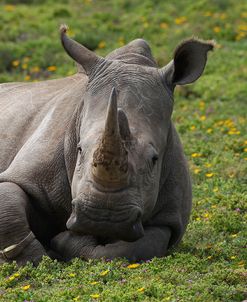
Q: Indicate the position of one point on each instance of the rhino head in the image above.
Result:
(124, 134)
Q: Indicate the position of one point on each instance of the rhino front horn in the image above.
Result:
(110, 159)
(85, 57)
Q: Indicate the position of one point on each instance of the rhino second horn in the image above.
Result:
(110, 159)
(85, 57)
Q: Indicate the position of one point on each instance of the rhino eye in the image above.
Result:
(154, 159)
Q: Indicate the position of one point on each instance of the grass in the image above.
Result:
(210, 115)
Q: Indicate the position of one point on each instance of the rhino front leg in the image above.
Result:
(17, 242)
(153, 244)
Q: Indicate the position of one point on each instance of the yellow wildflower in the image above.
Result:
(163, 25)
(202, 118)
(198, 218)
(216, 29)
(26, 287)
(233, 257)
(245, 149)
(244, 15)
(196, 155)
(76, 298)
(94, 282)
(209, 130)
(208, 165)
(141, 289)
(104, 273)
(121, 41)
(245, 142)
(216, 189)
(180, 20)
(95, 296)
(72, 275)
(101, 45)
(11, 278)
(16, 63)
(9, 8)
(242, 27)
(24, 66)
(209, 257)
(27, 78)
(214, 206)
(52, 68)
(17, 275)
(208, 14)
(234, 235)
(240, 36)
(241, 263)
(223, 16)
(192, 127)
(209, 175)
(206, 215)
(233, 131)
(134, 265)
(197, 170)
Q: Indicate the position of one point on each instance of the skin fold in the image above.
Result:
(91, 165)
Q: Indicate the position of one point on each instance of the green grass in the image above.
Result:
(209, 265)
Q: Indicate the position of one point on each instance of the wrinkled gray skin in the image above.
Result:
(49, 132)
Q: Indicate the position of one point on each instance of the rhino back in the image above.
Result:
(35, 114)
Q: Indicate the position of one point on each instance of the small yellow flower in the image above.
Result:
(223, 16)
(94, 282)
(26, 287)
(180, 20)
(104, 273)
(197, 171)
(209, 175)
(198, 218)
(206, 215)
(27, 78)
(241, 263)
(134, 265)
(209, 130)
(208, 165)
(163, 25)
(11, 278)
(233, 257)
(16, 63)
(245, 142)
(208, 14)
(9, 8)
(242, 27)
(202, 104)
(234, 235)
(216, 189)
(196, 155)
(216, 29)
(24, 66)
(243, 15)
(192, 128)
(214, 206)
(101, 45)
(209, 257)
(52, 68)
(72, 275)
(202, 118)
(76, 298)
(95, 296)
(141, 290)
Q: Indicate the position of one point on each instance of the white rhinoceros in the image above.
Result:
(91, 165)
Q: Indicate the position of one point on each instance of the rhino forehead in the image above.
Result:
(140, 90)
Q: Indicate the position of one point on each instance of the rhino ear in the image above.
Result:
(190, 58)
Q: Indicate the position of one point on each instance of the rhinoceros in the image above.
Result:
(91, 165)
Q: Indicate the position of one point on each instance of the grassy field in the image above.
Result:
(209, 265)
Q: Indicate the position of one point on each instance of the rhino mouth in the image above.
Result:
(124, 224)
